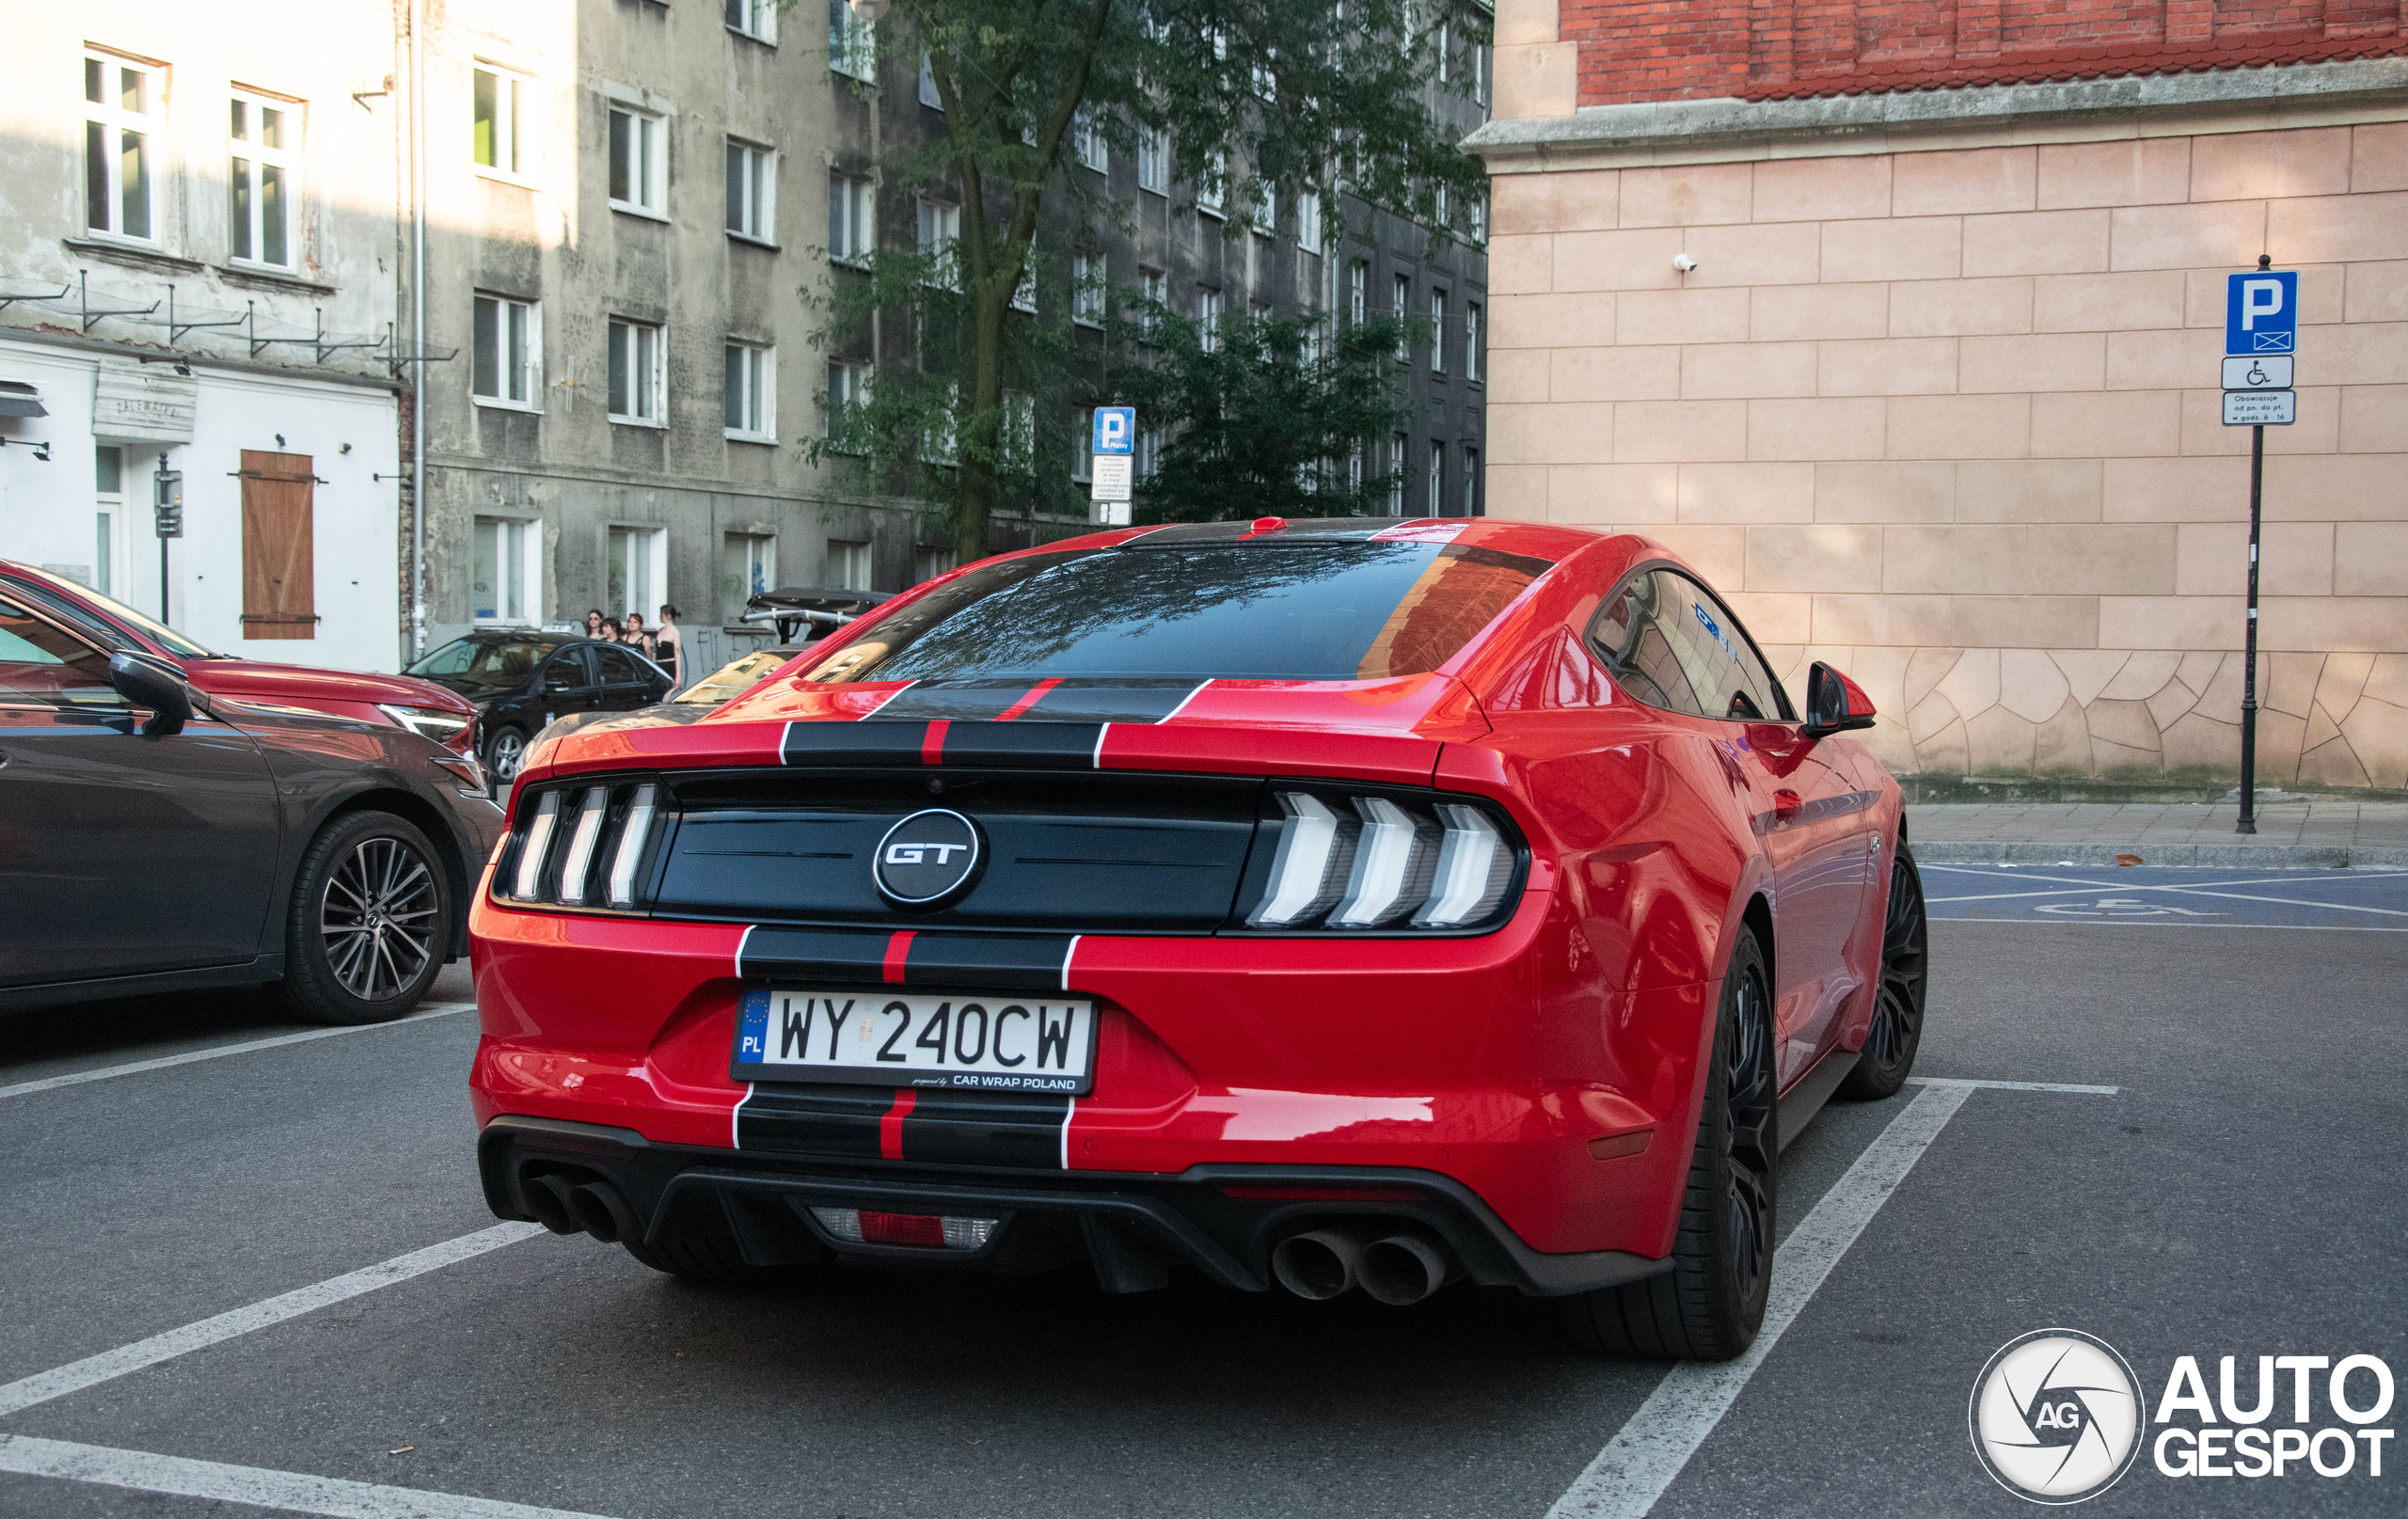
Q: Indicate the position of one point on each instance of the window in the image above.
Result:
(108, 490)
(498, 95)
(637, 168)
(939, 233)
(929, 560)
(1477, 213)
(1024, 292)
(852, 218)
(637, 572)
(847, 392)
(509, 353)
(1019, 429)
(1438, 332)
(636, 359)
(1403, 305)
(852, 42)
(752, 191)
(1086, 290)
(752, 392)
(1438, 208)
(1088, 140)
(1083, 444)
(1155, 286)
(1471, 341)
(1477, 62)
(752, 566)
(1398, 447)
(940, 441)
(1154, 160)
(1355, 470)
(1207, 320)
(755, 19)
(1212, 191)
(120, 113)
(928, 96)
(1149, 456)
(42, 666)
(259, 180)
(1264, 218)
(1677, 648)
(1471, 482)
(1435, 504)
(1358, 277)
(1308, 221)
(847, 564)
(505, 588)
(1445, 49)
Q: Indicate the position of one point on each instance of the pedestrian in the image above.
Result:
(635, 636)
(669, 647)
(598, 626)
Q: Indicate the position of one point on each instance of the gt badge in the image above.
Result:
(928, 858)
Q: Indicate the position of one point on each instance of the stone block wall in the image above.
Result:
(1950, 418)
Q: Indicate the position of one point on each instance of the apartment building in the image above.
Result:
(199, 273)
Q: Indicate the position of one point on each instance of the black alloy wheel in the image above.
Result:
(1711, 1304)
(504, 753)
(1889, 1045)
(370, 923)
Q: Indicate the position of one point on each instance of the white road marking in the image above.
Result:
(109, 1365)
(291, 1492)
(1648, 1452)
(2159, 922)
(52, 1084)
(2206, 888)
(2013, 1086)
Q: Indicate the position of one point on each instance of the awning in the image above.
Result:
(18, 398)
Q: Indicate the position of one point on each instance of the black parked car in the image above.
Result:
(521, 680)
(154, 837)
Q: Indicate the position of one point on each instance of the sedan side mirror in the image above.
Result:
(144, 683)
(1834, 704)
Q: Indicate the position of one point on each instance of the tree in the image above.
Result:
(1254, 96)
(1263, 421)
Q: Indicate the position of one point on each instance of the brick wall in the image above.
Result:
(1656, 50)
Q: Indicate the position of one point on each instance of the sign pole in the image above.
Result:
(2248, 823)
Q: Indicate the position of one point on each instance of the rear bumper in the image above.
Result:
(1220, 1220)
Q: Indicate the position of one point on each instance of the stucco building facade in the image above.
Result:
(1937, 401)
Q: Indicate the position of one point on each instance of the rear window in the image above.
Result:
(1352, 611)
(486, 663)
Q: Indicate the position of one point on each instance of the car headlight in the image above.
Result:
(1354, 863)
(439, 723)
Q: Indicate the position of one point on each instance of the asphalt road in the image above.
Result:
(2236, 1194)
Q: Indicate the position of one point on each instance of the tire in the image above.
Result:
(505, 752)
(1890, 1044)
(716, 1260)
(370, 923)
(1710, 1305)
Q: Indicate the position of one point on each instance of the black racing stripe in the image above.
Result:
(1052, 745)
(955, 701)
(872, 741)
(816, 954)
(984, 962)
(1110, 701)
(814, 1119)
(985, 1129)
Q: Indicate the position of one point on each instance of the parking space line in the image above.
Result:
(2203, 888)
(1648, 1452)
(109, 1365)
(1980, 1085)
(52, 1084)
(2159, 922)
(293, 1492)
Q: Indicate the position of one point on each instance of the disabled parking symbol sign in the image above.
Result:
(2261, 311)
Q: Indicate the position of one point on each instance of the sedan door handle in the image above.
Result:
(1785, 805)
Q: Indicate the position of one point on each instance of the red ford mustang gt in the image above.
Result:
(1322, 904)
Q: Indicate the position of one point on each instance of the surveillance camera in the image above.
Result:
(1683, 263)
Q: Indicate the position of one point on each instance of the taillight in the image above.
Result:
(1374, 863)
(582, 845)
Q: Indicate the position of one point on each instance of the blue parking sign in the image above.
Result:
(2261, 311)
(1116, 430)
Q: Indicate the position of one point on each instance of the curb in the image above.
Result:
(2203, 856)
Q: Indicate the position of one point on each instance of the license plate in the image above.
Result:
(1006, 1043)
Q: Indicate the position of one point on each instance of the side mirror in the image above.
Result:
(144, 683)
(1834, 704)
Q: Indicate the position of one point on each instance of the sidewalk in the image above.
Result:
(2291, 833)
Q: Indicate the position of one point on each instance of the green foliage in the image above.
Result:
(1262, 96)
(1257, 422)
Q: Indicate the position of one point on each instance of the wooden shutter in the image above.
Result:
(280, 564)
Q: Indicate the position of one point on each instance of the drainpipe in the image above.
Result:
(418, 328)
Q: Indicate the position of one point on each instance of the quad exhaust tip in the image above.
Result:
(1395, 1269)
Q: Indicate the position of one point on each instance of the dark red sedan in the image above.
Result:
(420, 705)
(1322, 905)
